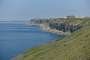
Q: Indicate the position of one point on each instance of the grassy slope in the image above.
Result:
(74, 47)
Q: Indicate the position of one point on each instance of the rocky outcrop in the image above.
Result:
(65, 27)
(58, 25)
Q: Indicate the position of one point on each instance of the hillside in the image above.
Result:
(73, 47)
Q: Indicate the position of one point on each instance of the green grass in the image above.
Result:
(73, 47)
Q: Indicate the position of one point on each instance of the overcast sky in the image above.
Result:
(25, 9)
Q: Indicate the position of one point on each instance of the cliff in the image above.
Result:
(73, 47)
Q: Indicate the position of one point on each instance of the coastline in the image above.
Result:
(65, 48)
(46, 28)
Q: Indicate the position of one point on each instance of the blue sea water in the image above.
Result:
(16, 37)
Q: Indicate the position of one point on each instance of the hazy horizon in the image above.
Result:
(26, 9)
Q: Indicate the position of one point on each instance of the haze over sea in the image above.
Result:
(25, 9)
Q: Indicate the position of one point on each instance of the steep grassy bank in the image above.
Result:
(73, 47)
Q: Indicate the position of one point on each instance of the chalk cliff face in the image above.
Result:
(60, 24)
(65, 27)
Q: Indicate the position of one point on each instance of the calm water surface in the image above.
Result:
(15, 38)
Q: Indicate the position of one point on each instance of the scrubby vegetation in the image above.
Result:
(73, 47)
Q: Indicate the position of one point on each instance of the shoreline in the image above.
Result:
(48, 29)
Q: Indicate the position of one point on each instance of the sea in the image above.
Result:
(16, 37)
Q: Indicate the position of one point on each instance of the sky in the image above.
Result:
(26, 9)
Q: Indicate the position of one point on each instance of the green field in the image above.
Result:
(73, 47)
